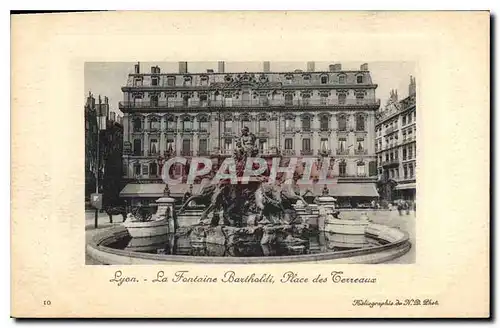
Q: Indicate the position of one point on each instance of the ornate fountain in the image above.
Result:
(253, 211)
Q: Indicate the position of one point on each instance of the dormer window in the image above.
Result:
(187, 80)
(228, 78)
(341, 79)
(359, 79)
(289, 78)
(204, 80)
(324, 79)
(154, 81)
(307, 78)
(138, 82)
(171, 81)
(263, 78)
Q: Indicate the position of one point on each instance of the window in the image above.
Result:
(171, 81)
(412, 173)
(137, 125)
(359, 79)
(322, 99)
(154, 124)
(342, 169)
(410, 152)
(342, 79)
(170, 145)
(203, 124)
(324, 79)
(203, 146)
(263, 125)
(263, 100)
(288, 143)
(228, 126)
(154, 80)
(137, 169)
(404, 135)
(203, 100)
(153, 169)
(405, 172)
(323, 146)
(186, 146)
(137, 147)
(409, 118)
(305, 99)
(342, 144)
(185, 101)
(342, 98)
(204, 80)
(145, 169)
(170, 124)
(228, 144)
(154, 101)
(360, 98)
(306, 144)
(245, 122)
(289, 124)
(360, 144)
(263, 144)
(360, 123)
(288, 99)
(138, 82)
(187, 81)
(361, 169)
(387, 157)
(324, 123)
(228, 100)
(404, 119)
(153, 146)
(397, 173)
(342, 123)
(306, 123)
(187, 125)
(307, 79)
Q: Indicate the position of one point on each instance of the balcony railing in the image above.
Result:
(289, 152)
(343, 152)
(203, 152)
(306, 152)
(360, 151)
(247, 103)
(186, 152)
(391, 162)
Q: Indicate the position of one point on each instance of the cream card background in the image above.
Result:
(48, 56)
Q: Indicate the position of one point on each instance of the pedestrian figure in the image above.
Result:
(407, 208)
(400, 208)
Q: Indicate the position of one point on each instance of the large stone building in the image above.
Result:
(100, 120)
(396, 145)
(298, 113)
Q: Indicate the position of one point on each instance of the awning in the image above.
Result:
(343, 189)
(406, 186)
(151, 190)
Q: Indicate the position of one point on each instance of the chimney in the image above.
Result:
(364, 67)
(310, 66)
(335, 67)
(331, 68)
(412, 88)
(267, 66)
(155, 70)
(183, 67)
(221, 67)
(137, 68)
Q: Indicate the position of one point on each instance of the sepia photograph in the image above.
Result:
(250, 162)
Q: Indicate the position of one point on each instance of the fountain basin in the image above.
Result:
(393, 243)
(138, 229)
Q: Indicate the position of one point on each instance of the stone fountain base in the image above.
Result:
(294, 235)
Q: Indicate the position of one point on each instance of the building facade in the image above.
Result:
(104, 127)
(396, 146)
(299, 113)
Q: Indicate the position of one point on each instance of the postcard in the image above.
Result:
(250, 164)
